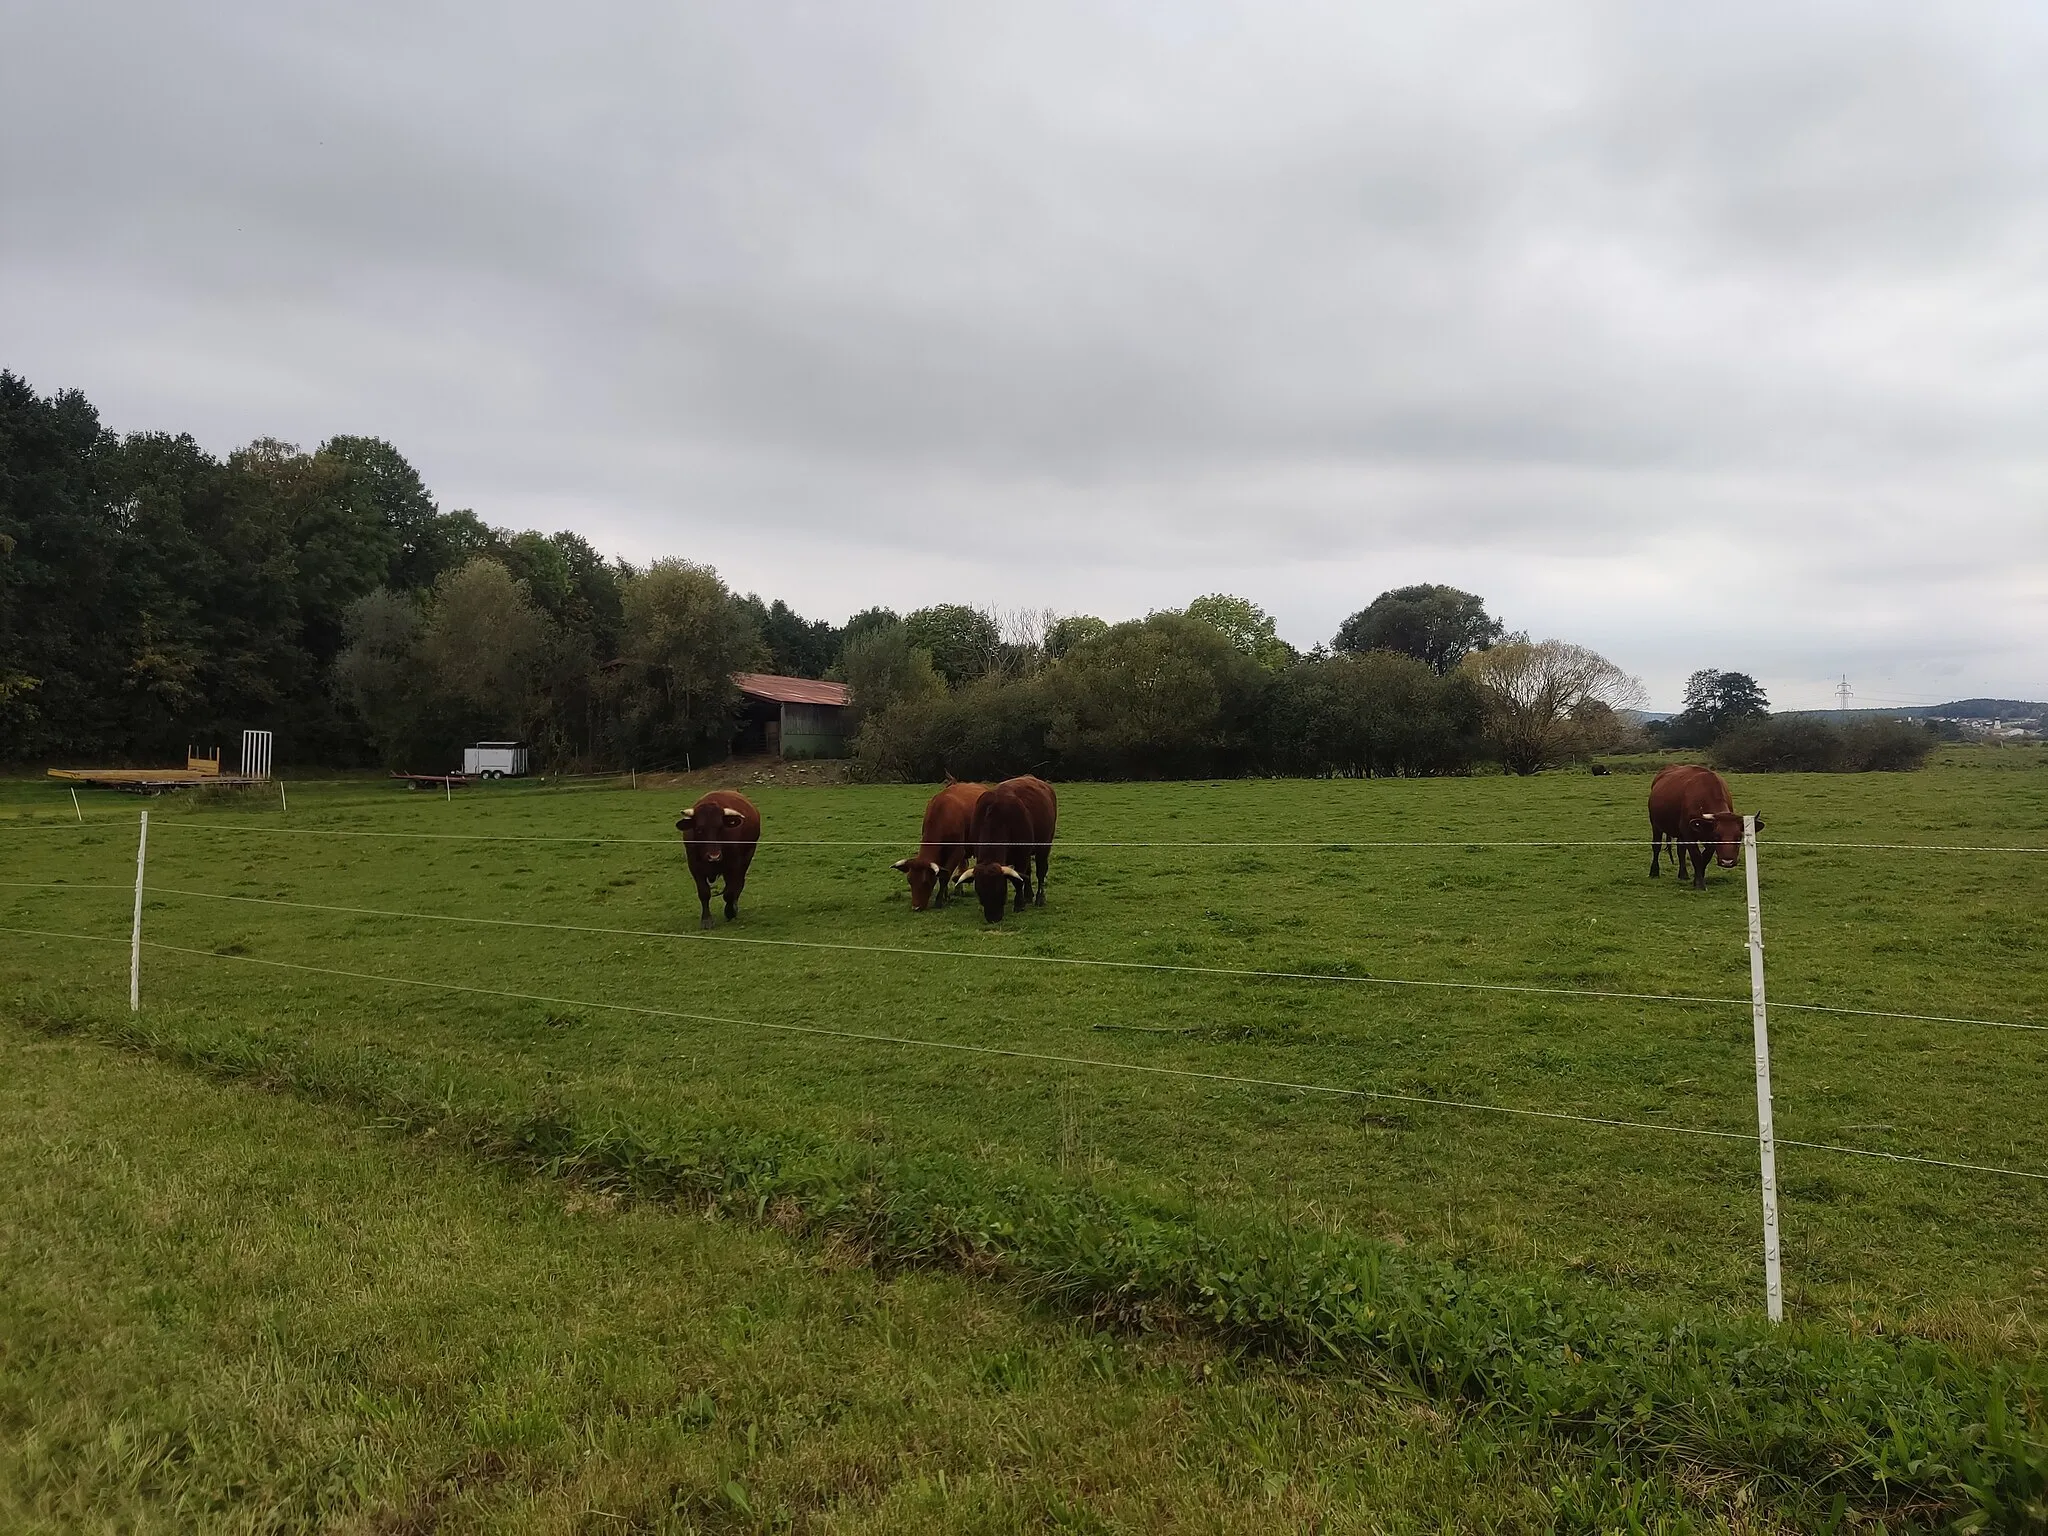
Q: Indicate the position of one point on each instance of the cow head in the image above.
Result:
(924, 876)
(1722, 829)
(701, 824)
(992, 886)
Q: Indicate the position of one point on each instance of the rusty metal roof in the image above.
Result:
(789, 690)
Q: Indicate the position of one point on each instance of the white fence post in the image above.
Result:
(74, 806)
(1767, 1145)
(135, 938)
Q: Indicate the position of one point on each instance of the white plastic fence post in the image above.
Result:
(74, 805)
(282, 803)
(135, 938)
(1767, 1146)
(448, 789)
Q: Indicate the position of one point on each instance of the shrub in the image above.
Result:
(991, 729)
(1803, 744)
(1376, 715)
(1160, 698)
(1888, 746)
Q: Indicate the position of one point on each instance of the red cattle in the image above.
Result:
(719, 835)
(1013, 825)
(1691, 806)
(946, 845)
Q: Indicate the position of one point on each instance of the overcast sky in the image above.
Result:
(1704, 335)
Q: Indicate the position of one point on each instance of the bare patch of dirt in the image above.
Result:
(743, 773)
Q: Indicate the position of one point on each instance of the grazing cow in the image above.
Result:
(1599, 770)
(1013, 824)
(1690, 805)
(719, 834)
(946, 845)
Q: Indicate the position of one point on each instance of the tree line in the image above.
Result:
(152, 594)
(1729, 715)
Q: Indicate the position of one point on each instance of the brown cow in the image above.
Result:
(1691, 806)
(945, 846)
(1013, 824)
(719, 835)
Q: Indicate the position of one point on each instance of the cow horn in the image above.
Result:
(732, 817)
(903, 865)
(1011, 874)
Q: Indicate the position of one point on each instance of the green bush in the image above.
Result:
(1159, 698)
(1803, 744)
(1167, 697)
(1888, 746)
(991, 729)
(1376, 715)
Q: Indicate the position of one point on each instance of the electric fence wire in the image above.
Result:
(1341, 845)
(1052, 1058)
(1239, 973)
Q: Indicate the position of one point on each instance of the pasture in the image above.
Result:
(1164, 1081)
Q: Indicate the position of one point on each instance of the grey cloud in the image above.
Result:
(1298, 300)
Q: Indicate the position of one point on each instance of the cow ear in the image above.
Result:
(1759, 821)
(683, 821)
(732, 817)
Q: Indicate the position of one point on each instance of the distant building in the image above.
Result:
(791, 716)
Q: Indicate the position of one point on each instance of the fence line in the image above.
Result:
(1234, 972)
(1054, 1058)
(1348, 844)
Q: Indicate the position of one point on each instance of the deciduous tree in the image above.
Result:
(1246, 625)
(1437, 625)
(1532, 692)
(963, 642)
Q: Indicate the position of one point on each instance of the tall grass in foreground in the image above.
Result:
(228, 1310)
(1906, 1427)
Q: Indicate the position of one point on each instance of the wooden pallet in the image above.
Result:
(150, 781)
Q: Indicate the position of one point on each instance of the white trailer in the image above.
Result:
(494, 760)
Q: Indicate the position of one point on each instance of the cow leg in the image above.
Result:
(704, 899)
(1042, 856)
(735, 882)
(1656, 848)
(1699, 866)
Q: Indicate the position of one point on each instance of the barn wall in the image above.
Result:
(814, 730)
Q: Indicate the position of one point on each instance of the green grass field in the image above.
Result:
(226, 1311)
(1640, 1216)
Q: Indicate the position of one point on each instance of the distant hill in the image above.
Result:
(1957, 709)
(1986, 709)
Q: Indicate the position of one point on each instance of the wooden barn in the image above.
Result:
(791, 716)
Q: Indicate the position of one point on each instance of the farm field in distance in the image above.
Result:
(1661, 1215)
